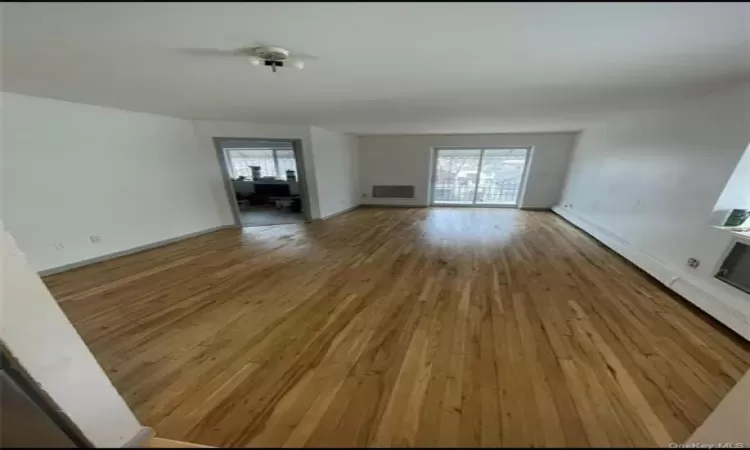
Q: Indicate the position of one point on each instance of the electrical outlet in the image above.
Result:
(694, 263)
(59, 246)
(95, 239)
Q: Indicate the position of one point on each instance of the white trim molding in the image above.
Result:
(340, 213)
(130, 251)
(695, 290)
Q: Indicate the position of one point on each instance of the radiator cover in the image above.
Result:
(393, 191)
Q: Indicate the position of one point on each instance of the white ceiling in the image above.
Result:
(383, 67)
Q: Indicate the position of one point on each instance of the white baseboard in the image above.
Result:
(140, 248)
(694, 290)
(343, 211)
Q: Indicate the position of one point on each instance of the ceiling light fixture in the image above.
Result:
(261, 54)
(273, 57)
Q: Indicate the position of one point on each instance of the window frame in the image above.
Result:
(519, 203)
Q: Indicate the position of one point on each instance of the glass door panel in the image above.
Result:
(456, 172)
(500, 176)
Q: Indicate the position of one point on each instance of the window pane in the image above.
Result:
(500, 177)
(286, 162)
(240, 161)
(455, 176)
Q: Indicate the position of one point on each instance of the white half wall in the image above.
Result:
(736, 194)
(646, 183)
(408, 160)
(71, 171)
(336, 170)
(728, 422)
(207, 130)
(38, 335)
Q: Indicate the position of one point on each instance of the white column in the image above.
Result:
(41, 338)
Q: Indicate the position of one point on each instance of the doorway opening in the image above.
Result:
(479, 176)
(264, 180)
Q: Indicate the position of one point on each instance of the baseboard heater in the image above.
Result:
(393, 191)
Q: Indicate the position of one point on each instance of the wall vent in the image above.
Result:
(393, 191)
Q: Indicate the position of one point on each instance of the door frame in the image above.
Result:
(521, 188)
(229, 188)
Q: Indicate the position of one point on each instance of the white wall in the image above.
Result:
(70, 171)
(206, 130)
(649, 181)
(336, 170)
(407, 160)
(39, 336)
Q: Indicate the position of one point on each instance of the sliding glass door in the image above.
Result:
(481, 176)
(500, 176)
(455, 176)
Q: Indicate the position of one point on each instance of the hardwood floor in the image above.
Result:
(401, 327)
(156, 442)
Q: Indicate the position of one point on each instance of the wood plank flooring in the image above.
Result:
(401, 327)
